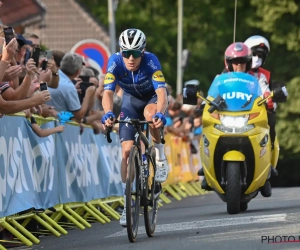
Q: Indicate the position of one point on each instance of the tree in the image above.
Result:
(208, 31)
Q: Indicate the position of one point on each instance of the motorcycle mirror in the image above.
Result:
(217, 104)
(190, 94)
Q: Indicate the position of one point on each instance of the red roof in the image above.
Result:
(14, 12)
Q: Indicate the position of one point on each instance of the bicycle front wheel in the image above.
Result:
(133, 194)
(151, 195)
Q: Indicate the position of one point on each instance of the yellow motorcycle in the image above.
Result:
(235, 146)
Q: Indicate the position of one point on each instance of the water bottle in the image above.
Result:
(145, 167)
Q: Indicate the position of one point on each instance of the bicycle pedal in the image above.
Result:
(156, 195)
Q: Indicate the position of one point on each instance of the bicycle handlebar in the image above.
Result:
(107, 133)
(108, 130)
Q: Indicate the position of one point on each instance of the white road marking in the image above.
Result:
(210, 223)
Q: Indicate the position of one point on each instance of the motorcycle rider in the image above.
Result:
(260, 49)
(238, 58)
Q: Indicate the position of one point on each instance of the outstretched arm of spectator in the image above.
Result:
(8, 52)
(10, 107)
(12, 74)
(21, 91)
(46, 132)
(97, 115)
(86, 104)
(53, 83)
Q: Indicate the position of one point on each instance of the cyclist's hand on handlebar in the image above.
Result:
(106, 119)
(159, 120)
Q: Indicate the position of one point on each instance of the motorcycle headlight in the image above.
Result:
(234, 124)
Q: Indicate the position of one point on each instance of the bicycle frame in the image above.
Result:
(140, 136)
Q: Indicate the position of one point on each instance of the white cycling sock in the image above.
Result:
(124, 190)
(160, 151)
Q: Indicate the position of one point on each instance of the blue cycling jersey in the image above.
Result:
(141, 83)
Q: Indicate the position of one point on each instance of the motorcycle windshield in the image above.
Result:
(238, 89)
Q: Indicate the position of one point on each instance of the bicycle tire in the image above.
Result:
(151, 204)
(133, 205)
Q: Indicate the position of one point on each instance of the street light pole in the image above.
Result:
(112, 26)
(179, 48)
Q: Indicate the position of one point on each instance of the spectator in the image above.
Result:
(38, 130)
(35, 39)
(57, 57)
(92, 117)
(10, 107)
(96, 72)
(65, 97)
(12, 73)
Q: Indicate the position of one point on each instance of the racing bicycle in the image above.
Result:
(141, 188)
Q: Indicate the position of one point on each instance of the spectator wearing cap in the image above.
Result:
(65, 97)
(34, 38)
(23, 44)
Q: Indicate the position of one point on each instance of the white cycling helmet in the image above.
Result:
(132, 39)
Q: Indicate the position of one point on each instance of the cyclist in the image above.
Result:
(139, 74)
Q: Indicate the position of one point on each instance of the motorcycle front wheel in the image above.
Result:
(233, 187)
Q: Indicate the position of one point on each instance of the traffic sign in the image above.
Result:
(94, 52)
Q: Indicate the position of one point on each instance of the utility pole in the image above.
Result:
(112, 25)
(179, 48)
(234, 22)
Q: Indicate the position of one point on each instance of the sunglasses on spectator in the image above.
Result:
(239, 60)
(134, 53)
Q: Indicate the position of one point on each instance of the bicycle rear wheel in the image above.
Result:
(152, 191)
(133, 194)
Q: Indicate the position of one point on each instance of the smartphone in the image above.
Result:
(27, 56)
(83, 87)
(49, 54)
(36, 55)
(85, 78)
(44, 64)
(43, 86)
(9, 34)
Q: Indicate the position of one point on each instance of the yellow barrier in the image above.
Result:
(183, 180)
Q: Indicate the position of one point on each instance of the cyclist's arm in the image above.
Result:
(108, 93)
(107, 100)
(162, 100)
(159, 84)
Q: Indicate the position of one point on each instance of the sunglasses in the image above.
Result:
(134, 53)
(239, 61)
(260, 55)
